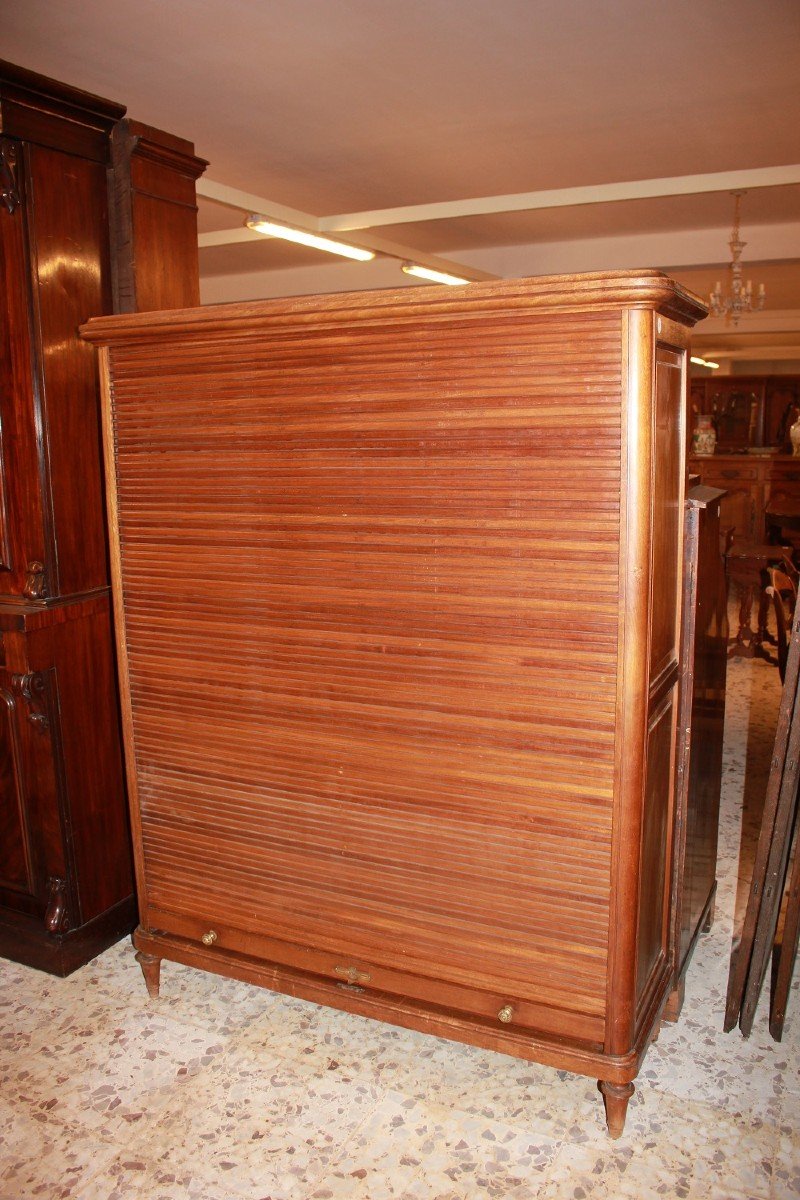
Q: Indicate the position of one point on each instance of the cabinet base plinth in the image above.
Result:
(614, 1071)
(25, 940)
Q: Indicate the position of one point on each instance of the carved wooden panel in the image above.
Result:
(32, 835)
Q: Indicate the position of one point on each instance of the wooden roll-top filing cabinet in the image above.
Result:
(398, 593)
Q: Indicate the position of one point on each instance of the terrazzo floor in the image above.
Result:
(220, 1090)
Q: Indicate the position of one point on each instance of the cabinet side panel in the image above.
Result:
(656, 827)
(169, 232)
(666, 542)
(667, 498)
(370, 586)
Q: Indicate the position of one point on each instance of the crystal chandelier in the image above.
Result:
(740, 299)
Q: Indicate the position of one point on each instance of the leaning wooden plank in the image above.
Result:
(775, 877)
(740, 959)
(788, 949)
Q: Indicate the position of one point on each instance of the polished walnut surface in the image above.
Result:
(390, 660)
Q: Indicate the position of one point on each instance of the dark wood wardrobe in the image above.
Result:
(83, 231)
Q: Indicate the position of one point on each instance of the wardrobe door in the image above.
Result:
(25, 549)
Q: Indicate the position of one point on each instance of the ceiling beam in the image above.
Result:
(250, 203)
(603, 193)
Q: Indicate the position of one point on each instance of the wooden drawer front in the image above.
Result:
(718, 476)
(368, 711)
(782, 475)
(332, 959)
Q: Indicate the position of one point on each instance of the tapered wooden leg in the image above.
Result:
(709, 918)
(615, 1098)
(762, 634)
(151, 969)
(742, 643)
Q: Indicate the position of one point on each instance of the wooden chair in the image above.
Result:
(781, 631)
(748, 565)
(788, 568)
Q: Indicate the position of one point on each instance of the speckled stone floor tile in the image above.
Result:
(253, 1131)
(409, 1143)
(223, 1091)
(42, 1156)
(786, 1166)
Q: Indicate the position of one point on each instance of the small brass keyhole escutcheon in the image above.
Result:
(506, 1014)
(352, 975)
(209, 938)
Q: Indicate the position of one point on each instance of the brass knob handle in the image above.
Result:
(209, 938)
(506, 1014)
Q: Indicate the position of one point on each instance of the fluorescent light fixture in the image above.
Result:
(704, 362)
(433, 276)
(303, 238)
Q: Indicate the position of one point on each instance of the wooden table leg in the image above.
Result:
(742, 644)
(762, 634)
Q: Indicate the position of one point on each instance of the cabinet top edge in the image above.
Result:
(31, 89)
(649, 289)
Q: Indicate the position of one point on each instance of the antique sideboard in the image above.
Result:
(399, 650)
(753, 484)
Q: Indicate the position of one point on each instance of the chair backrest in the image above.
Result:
(784, 584)
(790, 569)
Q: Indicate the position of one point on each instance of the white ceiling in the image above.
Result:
(333, 106)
